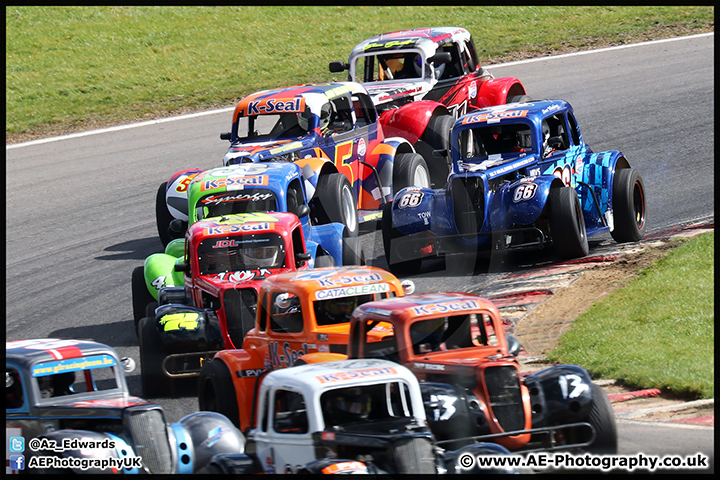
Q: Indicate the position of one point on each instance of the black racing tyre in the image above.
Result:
(628, 206)
(410, 169)
(154, 381)
(216, 392)
(390, 235)
(163, 217)
(141, 296)
(335, 202)
(437, 137)
(518, 99)
(567, 224)
(602, 418)
(324, 261)
(353, 253)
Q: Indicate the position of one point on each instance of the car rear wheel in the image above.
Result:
(163, 217)
(390, 236)
(437, 137)
(628, 206)
(519, 99)
(154, 381)
(324, 261)
(335, 202)
(567, 224)
(410, 169)
(216, 391)
(141, 296)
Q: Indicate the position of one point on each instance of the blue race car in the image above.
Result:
(521, 177)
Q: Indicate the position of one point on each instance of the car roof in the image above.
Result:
(245, 222)
(29, 352)
(426, 38)
(424, 305)
(312, 95)
(329, 281)
(331, 375)
(532, 110)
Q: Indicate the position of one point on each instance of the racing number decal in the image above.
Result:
(564, 174)
(411, 199)
(572, 381)
(343, 152)
(183, 185)
(446, 409)
(159, 282)
(525, 192)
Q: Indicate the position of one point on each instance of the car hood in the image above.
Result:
(259, 151)
(111, 405)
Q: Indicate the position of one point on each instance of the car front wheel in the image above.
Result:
(628, 206)
(567, 224)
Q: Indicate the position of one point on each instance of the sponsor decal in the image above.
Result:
(452, 306)
(228, 229)
(274, 105)
(494, 116)
(173, 322)
(234, 183)
(238, 197)
(352, 290)
(362, 373)
(472, 89)
(72, 365)
(429, 366)
(285, 357)
(389, 44)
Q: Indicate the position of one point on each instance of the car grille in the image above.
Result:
(151, 440)
(503, 388)
(240, 311)
(414, 455)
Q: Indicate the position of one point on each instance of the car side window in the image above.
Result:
(342, 116)
(380, 341)
(14, 396)
(470, 56)
(364, 111)
(289, 413)
(555, 135)
(454, 68)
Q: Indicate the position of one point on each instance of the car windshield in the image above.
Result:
(247, 252)
(389, 66)
(496, 140)
(339, 310)
(269, 127)
(237, 201)
(78, 382)
(366, 403)
(449, 333)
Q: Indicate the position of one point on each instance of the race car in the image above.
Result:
(202, 298)
(352, 416)
(438, 69)
(456, 345)
(349, 166)
(522, 177)
(298, 313)
(68, 410)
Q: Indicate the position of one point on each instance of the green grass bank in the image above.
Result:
(77, 68)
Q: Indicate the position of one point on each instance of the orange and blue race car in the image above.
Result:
(326, 129)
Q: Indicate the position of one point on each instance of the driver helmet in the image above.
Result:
(417, 62)
(260, 257)
(524, 138)
(302, 120)
(340, 310)
(547, 149)
(352, 404)
(325, 114)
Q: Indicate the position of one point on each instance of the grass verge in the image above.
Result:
(71, 68)
(658, 331)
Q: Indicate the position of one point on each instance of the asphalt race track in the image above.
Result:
(80, 210)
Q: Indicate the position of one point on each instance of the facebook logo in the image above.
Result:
(17, 462)
(17, 444)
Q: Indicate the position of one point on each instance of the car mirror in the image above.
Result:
(408, 287)
(177, 227)
(128, 364)
(513, 344)
(336, 67)
(225, 136)
(440, 58)
(301, 258)
(442, 153)
(182, 267)
(303, 211)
